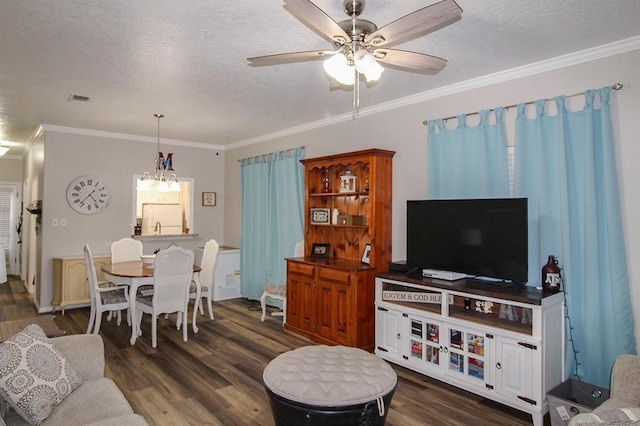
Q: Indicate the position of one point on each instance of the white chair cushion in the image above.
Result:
(329, 376)
(618, 416)
(113, 296)
(192, 288)
(34, 376)
(145, 300)
(276, 290)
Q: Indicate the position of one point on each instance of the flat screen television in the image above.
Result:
(483, 238)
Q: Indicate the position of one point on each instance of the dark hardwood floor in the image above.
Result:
(216, 377)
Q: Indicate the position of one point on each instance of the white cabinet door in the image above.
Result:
(467, 353)
(425, 344)
(514, 368)
(390, 327)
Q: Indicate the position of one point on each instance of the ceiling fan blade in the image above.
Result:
(417, 23)
(411, 61)
(317, 20)
(285, 58)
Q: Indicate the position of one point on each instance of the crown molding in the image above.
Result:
(575, 58)
(124, 136)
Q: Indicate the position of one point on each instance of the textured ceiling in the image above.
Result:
(187, 60)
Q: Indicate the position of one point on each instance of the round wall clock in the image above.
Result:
(88, 194)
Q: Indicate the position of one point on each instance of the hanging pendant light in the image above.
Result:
(159, 181)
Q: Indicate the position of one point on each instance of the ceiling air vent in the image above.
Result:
(78, 98)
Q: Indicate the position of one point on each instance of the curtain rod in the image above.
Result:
(616, 86)
(285, 151)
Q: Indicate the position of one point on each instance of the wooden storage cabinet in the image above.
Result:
(301, 303)
(331, 303)
(331, 300)
(502, 344)
(70, 280)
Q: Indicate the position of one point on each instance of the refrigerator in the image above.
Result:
(161, 219)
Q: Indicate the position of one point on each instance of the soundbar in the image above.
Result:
(442, 275)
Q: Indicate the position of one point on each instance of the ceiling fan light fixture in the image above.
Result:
(360, 45)
(335, 64)
(366, 64)
(374, 75)
(338, 68)
(346, 76)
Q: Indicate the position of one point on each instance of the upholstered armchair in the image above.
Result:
(623, 406)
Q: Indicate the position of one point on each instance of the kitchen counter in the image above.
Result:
(165, 237)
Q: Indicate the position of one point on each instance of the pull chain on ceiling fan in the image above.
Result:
(361, 46)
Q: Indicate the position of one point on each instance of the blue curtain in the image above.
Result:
(565, 165)
(468, 162)
(272, 219)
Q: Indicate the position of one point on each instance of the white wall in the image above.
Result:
(10, 169)
(69, 155)
(401, 129)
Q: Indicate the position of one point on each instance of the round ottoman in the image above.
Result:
(329, 385)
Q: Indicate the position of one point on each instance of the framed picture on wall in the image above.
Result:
(366, 254)
(208, 198)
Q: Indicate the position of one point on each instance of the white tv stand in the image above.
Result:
(465, 333)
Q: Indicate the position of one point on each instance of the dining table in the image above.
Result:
(141, 274)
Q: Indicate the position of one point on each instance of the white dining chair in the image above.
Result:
(173, 269)
(207, 277)
(126, 250)
(279, 291)
(103, 299)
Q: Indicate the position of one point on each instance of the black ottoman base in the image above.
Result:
(292, 413)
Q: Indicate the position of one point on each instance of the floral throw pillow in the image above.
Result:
(34, 377)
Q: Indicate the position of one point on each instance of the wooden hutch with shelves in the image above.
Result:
(330, 298)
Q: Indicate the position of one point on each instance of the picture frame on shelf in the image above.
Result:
(366, 254)
(320, 217)
(208, 199)
(320, 250)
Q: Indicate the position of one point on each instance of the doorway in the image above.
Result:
(9, 212)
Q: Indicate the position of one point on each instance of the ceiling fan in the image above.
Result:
(360, 46)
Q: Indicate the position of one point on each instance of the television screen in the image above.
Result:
(483, 238)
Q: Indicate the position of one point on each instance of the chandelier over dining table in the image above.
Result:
(160, 182)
